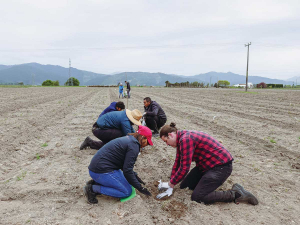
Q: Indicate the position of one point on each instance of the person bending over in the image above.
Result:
(154, 115)
(111, 168)
(213, 167)
(112, 125)
(114, 106)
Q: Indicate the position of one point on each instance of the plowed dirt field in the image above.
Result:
(42, 170)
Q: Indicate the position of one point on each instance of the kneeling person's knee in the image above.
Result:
(127, 192)
(197, 197)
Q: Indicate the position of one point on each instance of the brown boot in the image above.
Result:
(241, 195)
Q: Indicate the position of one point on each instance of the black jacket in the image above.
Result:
(154, 109)
(120, 153)
(128, 86)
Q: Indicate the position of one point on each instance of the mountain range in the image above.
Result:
(35, 74)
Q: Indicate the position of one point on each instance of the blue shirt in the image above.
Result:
(116, 120)
(120, 153)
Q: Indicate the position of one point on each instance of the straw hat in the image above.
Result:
(134, 116)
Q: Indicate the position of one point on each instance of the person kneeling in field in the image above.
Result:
(112, 125)
(154, 115)
(111, 168)
(114, 106)
(213, 167)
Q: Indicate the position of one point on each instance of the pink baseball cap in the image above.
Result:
(145, 131)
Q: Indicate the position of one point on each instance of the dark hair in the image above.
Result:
(120, 105)
(148, 99)
(138, 137)
(165, 130)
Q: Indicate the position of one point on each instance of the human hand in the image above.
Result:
(144, 191)
(168, 193)
(139, 179)
(163, 185)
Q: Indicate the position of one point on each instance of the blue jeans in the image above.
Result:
(112, 184)
(121, 93)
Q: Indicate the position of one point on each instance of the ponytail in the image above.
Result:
(165, 130)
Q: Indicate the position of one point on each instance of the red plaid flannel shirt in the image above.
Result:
(200, 147)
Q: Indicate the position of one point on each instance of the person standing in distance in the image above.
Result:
(128, 88)
(121, 90)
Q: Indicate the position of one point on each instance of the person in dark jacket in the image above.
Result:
(213, 167)
(111, 168)
(114, 106)
(154, 115)
(128, 89)
(112, 125)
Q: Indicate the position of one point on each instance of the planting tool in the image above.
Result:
(133, 194)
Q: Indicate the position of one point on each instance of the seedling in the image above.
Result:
(257, 169)
(37, 156)
(299, 139)
(45, 144)
(21, 176)
(272, 141)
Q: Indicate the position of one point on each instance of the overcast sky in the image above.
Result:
(176, 37)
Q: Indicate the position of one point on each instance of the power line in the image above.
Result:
(114, 48)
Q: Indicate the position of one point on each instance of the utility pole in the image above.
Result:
(247, 65)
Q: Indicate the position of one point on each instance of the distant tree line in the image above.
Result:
(70, 82)
(187, 84)
(50, 83)
(195, 84)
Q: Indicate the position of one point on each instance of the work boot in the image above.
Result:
(85, 144)
(92, 182)
(91, 196)
(241, 195)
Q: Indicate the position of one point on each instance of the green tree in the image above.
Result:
(195, 84)
(223, 83)
(56, 83)
(69, 82)
(167, 83)
(47, 83)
